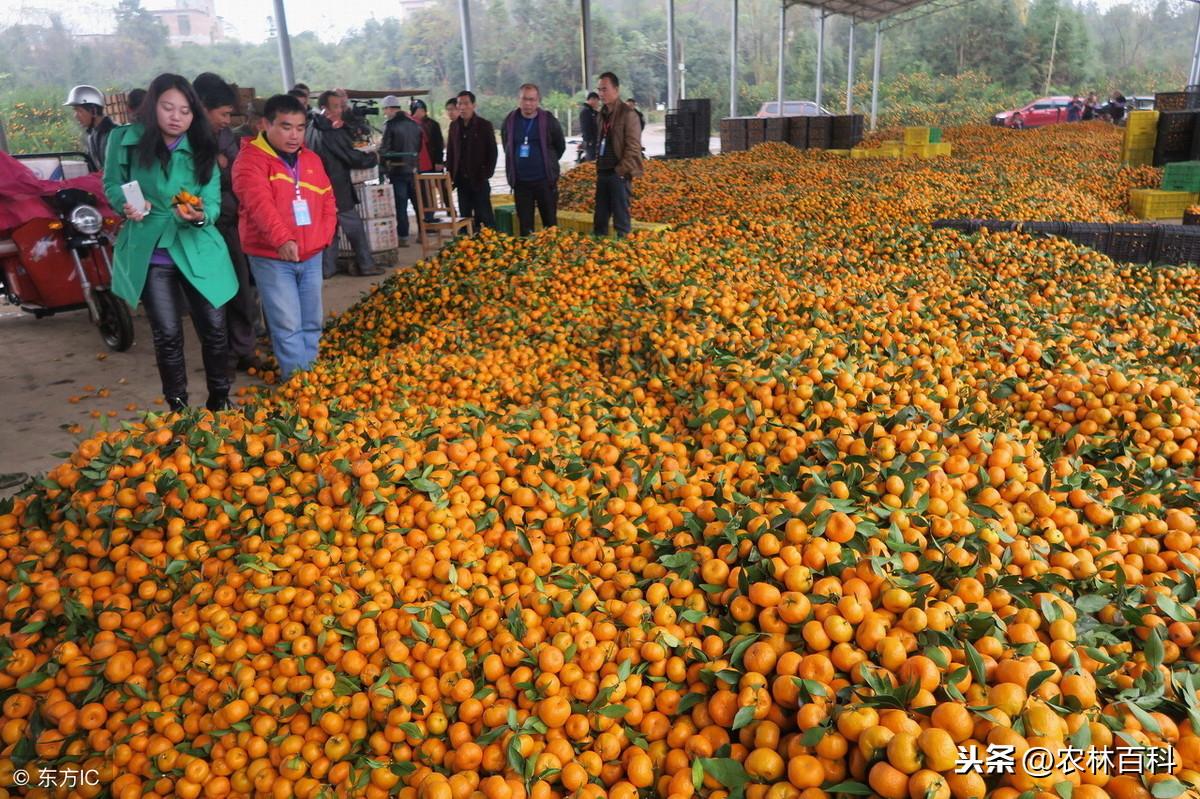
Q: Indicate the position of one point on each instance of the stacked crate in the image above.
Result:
(846, 131)
(1174, 136)
(1181, 176)
(1159, 204)
(756, 132)
(777, 129)
(1177, 101)
(688, 129)
(820, 133)
(798, 132)
(377, 207)
(1141, 129)
(733, 134)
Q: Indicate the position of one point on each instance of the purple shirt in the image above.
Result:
(160, 256)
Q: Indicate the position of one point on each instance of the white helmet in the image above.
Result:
(85, 95)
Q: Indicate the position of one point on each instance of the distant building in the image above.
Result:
(409, 6)
(192, 22)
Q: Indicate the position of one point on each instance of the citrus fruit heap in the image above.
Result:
(754, 507)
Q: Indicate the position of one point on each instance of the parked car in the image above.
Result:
(793, 108)
(1140, 103)
(1043, 111)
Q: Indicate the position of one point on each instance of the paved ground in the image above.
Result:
(58, 381)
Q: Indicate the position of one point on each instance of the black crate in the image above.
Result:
(820, 129)
(961, 225)
(994, 225)
(756, 131)
(1176, 101)
(797, 134)
(1133, 244)
(1087, 234)
(1191, 218)
(777, 128)
(1178, 244)
(1043, 228)
(847, 125)
(698, 105)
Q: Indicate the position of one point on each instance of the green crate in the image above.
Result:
(506, 219)
(1181, 176)
(935, 135)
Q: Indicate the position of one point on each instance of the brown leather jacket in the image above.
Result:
(625, 138)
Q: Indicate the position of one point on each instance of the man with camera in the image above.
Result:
(331, 136)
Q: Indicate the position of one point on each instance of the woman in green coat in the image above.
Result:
(165, 249)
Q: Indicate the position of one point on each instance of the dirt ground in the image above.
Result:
(58, 381)
(56, 376)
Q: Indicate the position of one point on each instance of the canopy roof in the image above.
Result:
(861, 10)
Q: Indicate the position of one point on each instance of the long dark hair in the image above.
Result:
(200, 135)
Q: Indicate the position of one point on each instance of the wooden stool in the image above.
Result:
(435, 194)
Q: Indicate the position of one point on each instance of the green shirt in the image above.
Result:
(199, 252)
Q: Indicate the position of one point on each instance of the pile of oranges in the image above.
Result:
(760, 507)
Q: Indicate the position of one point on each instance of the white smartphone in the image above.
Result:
(133, 195)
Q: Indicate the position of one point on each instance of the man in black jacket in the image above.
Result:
(400, 149)
(589, 126)
(329, 137)
(471, 160)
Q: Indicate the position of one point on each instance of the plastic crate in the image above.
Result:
(1142, 157)
(1133, 244)
(961, 225)
(916, 135)
(842, 152)
(941, 149)
(935, 135)
(1140, 141)
(1181, 176)
(994, 225)
(1191, 217)
(506, 218)
(1158, 204)
(919, 150)
(1141, 122)
(1088, 234)
(1043, 228)
(1179, 244)
(1176, 101)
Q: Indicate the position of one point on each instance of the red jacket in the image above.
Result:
(266, 188)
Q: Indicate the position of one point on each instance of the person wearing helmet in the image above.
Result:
(88, 103)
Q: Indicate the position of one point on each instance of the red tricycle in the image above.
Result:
(56, 241)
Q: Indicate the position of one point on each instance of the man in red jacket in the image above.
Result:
(287, 217)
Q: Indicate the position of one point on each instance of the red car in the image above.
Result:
(1043, 111)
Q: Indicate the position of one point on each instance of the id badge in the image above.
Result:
(300, 210)
(523, 151)
(603, 145)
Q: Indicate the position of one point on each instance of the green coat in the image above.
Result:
(199, 252)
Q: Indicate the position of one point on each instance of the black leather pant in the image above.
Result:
(164, 283)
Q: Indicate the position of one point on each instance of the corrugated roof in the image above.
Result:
(861, 10)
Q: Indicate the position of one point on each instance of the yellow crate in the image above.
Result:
(859, 153)
(916, 136)
(845, 153)
(1140, 141)
(919, 150)
(941, 149)
(1137, 157)
(581, 222)
(1141, 121)
(1157, 204)
(503, 199)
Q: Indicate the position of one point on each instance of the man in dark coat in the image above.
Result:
(589, 126)
(471, 161)
(329, 137)
(88, 103)
(400, 149)
(533, 146)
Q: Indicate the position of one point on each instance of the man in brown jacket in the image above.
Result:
(618, 159)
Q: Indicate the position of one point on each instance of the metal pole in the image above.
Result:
(585, 29)
(1194, 74)
(1053, 48)
(285, 47)
(850, 71)
(464, 22)
(782, 51)
(733, 58)
(820, 56)
(672, 101)
(875, 74)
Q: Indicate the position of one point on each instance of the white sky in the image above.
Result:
(330, 19)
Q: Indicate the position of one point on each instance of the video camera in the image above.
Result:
(362, 109)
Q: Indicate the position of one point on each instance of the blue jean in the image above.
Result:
(291, 299)
(404, 188)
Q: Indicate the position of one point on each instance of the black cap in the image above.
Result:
(594, 95)
(417, 104)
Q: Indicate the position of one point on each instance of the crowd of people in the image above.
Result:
(239, 225)
(1083, 109)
